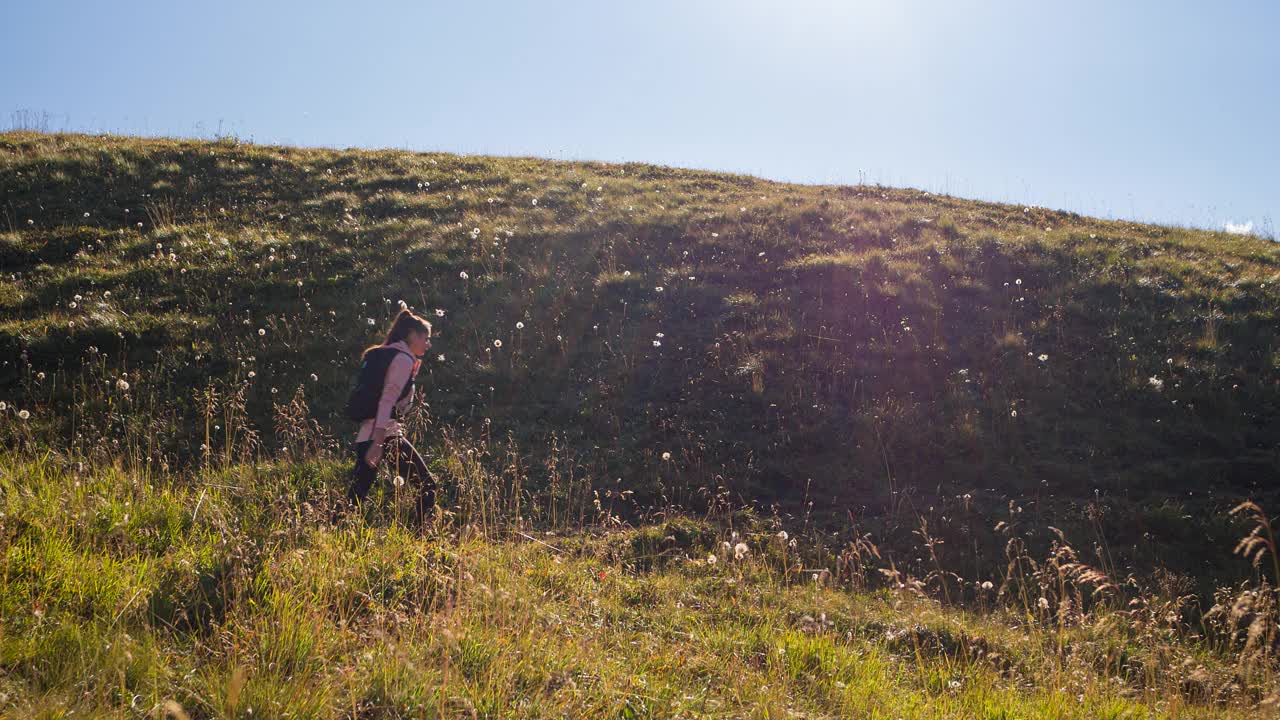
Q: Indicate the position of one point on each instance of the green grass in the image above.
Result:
(928, 393)
(230, 596)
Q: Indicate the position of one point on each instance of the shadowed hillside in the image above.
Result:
(887, 353)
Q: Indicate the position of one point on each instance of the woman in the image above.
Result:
(384, 391)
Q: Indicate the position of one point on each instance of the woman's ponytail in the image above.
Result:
(405, 323)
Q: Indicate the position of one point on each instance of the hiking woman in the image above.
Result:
(384, 391)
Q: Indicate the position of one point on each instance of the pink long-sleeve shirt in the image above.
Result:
(403, 366)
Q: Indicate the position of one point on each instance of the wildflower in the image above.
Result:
(986, 585)
(657, 343)
(299, 283)
(30, 221)
(464, 275)
(1155, 382)
(261, 332)
(1018, 281)
(1043, 357)
(439, 312)
(658, 289)
(23, 415)
(711, 559)
(122, 385)
(40, 375)
(782, 535)
(399, 481)
(1013, 413)
(535, 202)
(314, 377)
(626, 273)
(404, 305)
(1043, 603)
(740, 551)
(497, 343)
(370, 321)
(253, 374)
(440, 358)
(3, 406)
(519, 326)
(659, 335)
(666, 456)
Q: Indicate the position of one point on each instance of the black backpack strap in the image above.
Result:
(407, 383)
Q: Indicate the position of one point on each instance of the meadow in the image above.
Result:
(711, 446)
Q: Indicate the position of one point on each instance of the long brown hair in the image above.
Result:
(405, 323)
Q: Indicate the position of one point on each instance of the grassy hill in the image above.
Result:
(973, 387)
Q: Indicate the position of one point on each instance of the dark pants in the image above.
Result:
(404, 461)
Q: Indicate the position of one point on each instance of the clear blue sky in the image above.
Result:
(1165, 111)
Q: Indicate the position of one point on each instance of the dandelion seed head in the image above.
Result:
(24, 415)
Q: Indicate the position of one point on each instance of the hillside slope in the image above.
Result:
(888, 355)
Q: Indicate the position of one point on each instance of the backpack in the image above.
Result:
(362, 403)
